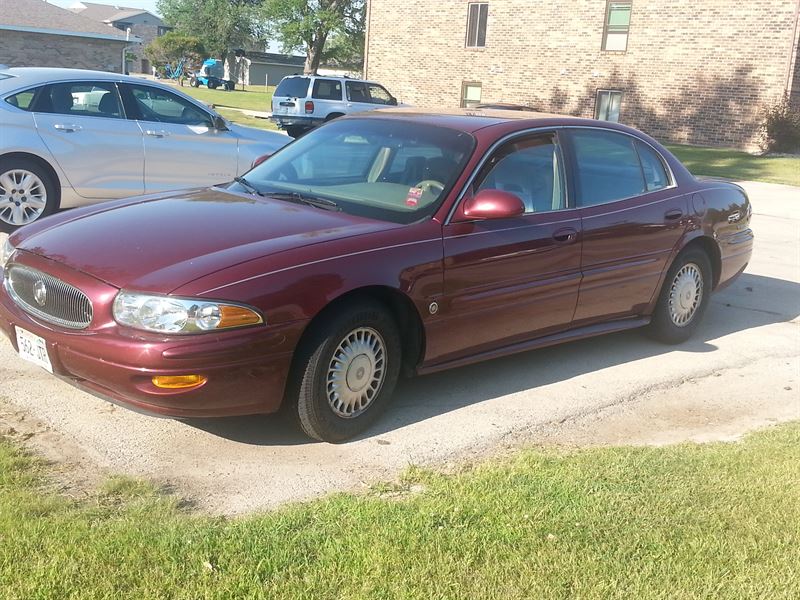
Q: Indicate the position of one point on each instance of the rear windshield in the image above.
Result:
(293, 87)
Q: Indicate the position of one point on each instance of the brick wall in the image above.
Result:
(24, 49)
(698, 72)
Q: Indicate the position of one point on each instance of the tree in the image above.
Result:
(310, 24)
(172, 47)
(220, 25)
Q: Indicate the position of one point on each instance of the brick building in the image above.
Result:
(34, 33)
(143, 24)
(698, 71)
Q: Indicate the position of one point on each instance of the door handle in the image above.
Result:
(72, 128)
(567, 235)
(158, 134)
(673, 215)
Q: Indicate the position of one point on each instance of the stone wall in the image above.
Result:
(697, 72)
(24, 49)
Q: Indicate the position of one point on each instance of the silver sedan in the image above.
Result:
(70, 137)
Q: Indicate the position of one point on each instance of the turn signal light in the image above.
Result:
(178, 382)
(237, 316)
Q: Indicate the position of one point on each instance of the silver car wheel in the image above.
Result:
(23, 197)
(356, 372)
(685, 294)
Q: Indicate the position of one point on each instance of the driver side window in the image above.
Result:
(531, 168)
(153, 104)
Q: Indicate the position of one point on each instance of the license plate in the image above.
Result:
(33, 349)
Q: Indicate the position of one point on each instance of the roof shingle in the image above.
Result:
(38, 14)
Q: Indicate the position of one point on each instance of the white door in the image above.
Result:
(84, 127)
(181, 146)
(363, 96)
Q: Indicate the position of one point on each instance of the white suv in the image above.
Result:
(302, 102)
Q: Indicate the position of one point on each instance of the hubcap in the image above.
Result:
(356, 372)
(23, 197)
(685, 294)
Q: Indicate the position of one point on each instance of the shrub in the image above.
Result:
(780, 131)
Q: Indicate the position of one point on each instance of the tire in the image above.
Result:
(230, 86)
(333, 116)
(295, 131)
(27, 193)
(365, 338)
(194, 82)
(212, 85)
(679, 309)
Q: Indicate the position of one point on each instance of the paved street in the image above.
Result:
(740, 372)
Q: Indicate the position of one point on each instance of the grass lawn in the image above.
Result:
(254, 97)
(732, 164)
(243, 119)
(712, 521)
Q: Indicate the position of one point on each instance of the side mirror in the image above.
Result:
(490, 204)
(219, 124)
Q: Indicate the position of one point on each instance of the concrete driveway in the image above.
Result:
(740, 372)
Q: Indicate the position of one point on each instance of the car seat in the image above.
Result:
(109, 105)
(61, 99)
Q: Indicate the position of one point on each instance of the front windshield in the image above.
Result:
(387, 169)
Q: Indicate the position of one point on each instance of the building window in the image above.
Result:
(476, 24)
(163, 30)
(606, 107)
(618, 23)
(470, 94)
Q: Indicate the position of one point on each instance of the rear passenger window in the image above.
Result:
(292, 87)
(82, 99)
(608, 167)
(327, 89)
(655, 174)
(22, 100)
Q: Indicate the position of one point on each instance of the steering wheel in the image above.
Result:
(431, 185)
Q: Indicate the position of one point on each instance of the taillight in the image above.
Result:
(309, 107)
(259, 160)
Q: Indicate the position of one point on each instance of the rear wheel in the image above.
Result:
(684, 298)
(27, 193)
(346, 372)
(295, 131)
(333, 116)
(212, 85)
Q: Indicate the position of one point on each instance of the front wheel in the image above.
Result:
(27, 193)
(683, 299)
(346, 372)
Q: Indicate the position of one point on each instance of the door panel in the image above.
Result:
(181, 149)
(505, 281)
(631, 218)
(82, 123)
(626, 246)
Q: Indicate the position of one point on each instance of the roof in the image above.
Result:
(276, 59)
(108, 13)
(471, 120)
(38, 16)
(25, 77)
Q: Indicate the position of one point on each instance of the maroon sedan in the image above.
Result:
(383, 243)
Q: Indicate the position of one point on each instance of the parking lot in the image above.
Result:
(740, 372)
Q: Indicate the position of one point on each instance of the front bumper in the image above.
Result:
(246, 369)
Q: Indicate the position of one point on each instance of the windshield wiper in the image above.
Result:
(315, 201)
(248, 186)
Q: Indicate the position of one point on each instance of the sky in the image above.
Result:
(145, 4)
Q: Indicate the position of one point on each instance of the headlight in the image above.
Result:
(5, 253)
(165, 314)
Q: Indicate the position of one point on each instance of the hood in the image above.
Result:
(160, 244)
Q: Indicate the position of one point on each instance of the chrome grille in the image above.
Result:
(48, 298)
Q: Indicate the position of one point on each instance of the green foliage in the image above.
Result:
(780, 131)
(310, 24)
(220, 25)
(174, 46)
(692, 521)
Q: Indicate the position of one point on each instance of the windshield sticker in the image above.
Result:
(414, 194)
